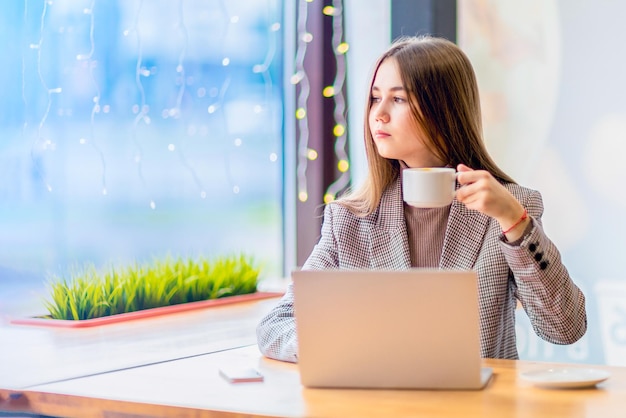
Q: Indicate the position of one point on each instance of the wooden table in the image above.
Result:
(190, 386)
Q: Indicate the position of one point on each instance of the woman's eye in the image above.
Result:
(374, 99)
(399, 99)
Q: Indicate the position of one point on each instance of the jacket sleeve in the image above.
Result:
(276, 332)
(554, 304)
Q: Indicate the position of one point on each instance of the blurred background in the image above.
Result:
(134, 129)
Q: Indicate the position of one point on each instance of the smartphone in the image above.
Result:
(239, 374)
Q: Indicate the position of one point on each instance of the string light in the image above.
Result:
(144, 111)
(274, 40)
(141, 110)
(176, 112)
(37, 164)
(343, 166)
(339, 131)
(328, 10)
(335, 91)
(96, 100)
(302, 79)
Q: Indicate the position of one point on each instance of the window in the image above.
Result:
(137, 129)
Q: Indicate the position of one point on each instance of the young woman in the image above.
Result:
(424, 111)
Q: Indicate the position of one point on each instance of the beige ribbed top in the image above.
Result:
(426, 228)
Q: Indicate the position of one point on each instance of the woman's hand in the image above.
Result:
(482, 192)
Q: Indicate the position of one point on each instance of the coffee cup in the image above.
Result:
(428, 187)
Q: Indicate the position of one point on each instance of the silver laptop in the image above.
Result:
(410, 329)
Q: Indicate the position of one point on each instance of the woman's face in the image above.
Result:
(396, 133)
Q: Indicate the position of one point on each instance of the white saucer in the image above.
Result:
(566, 377)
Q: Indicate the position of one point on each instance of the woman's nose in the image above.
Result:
(381, 115)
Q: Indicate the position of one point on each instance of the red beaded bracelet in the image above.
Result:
(519, 221)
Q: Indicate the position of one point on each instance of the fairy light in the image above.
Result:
(39, 140)
(217, 94)
(141, 110)
(263, 69)
(328, 10)
(95, 109)
(297, 77)
(302, 79)
(339, 131)
(274, 41)
(176, 112)
(334, 91)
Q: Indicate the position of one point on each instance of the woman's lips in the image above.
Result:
(381, 134)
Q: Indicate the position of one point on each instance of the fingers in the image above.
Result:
(471, 191)
(466, 175)
(479, 191)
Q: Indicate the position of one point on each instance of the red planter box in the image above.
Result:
(145, 313)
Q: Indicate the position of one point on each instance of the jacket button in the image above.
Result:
(538, 256)
(532, 247)
(543, 265)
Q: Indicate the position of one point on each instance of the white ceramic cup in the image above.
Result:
(428, 187)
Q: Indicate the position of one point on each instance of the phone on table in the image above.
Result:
(240, 374)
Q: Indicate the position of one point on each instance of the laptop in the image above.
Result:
(409, 329)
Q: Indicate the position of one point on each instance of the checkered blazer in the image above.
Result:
(531, 272)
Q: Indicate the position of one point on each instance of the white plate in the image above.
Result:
(566, 377)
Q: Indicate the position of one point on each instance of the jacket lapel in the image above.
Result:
(389, 248)
(472, 226)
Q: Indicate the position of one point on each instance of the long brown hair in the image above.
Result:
(443, 92)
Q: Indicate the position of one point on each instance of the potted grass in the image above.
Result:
(173, 284)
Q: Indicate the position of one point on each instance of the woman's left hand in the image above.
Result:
(482, 192)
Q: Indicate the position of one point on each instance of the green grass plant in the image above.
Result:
(89, 293)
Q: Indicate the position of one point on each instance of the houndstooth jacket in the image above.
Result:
(531, 272)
